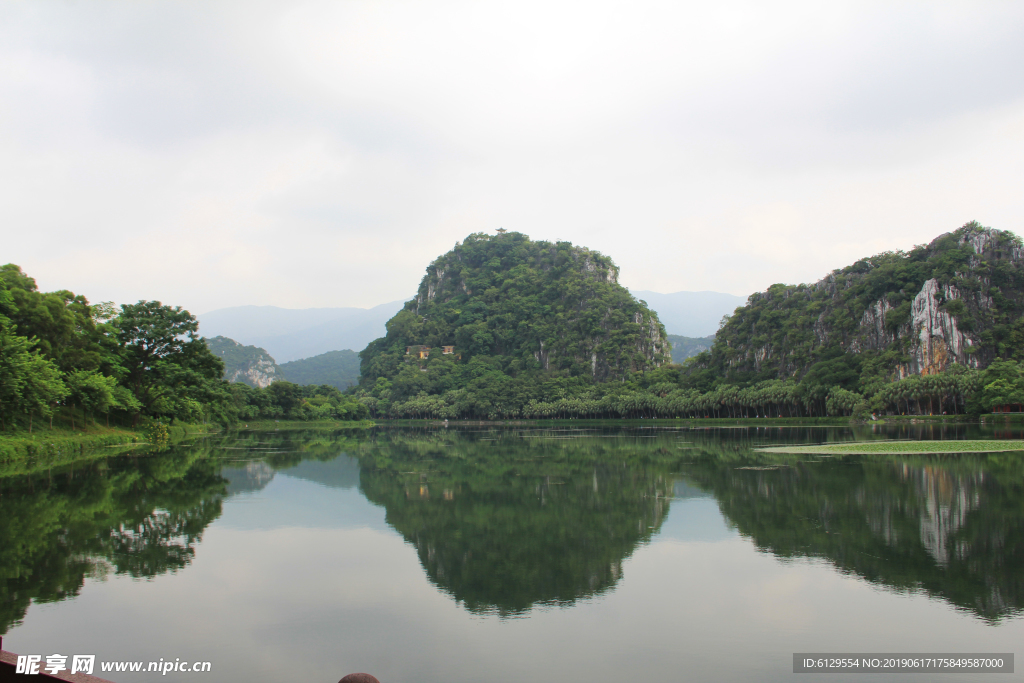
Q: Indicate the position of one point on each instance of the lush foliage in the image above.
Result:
(62, 357)
(794, 352)
(529, 306)
(337, 368)
(527, 322)
(866, 309)
(285, 400)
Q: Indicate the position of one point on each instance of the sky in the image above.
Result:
(321, 154)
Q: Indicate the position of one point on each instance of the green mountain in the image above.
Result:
(688, 347)
(336, 368)
(529, 306)
(249, 364)
(958, 301)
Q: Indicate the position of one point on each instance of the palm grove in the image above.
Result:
(62, 357)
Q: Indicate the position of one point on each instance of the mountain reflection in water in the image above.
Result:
(952, 526)
(507, 520)
(520, 519)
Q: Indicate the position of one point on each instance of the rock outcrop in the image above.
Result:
(958, 300)
(249, 364)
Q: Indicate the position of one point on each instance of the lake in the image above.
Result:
(530, 552)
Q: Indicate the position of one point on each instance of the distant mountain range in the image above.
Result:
(255, 367)
(688, 347)
(691, 314)
(292, 333)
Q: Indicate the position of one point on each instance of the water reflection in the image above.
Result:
(951, 526)
(504, 520)
(135, 516)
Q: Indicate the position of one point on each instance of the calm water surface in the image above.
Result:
(511, 554)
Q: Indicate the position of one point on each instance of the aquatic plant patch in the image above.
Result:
(902, 447)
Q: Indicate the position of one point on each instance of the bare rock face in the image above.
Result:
(249, 364)
(939, 343)
(958, 300)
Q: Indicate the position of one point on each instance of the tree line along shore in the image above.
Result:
(504, 327)
(70, 367)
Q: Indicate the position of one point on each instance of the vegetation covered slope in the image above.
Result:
(249, 364)
(931, 331)
(339, 369)
(956, 301)
(533, 305)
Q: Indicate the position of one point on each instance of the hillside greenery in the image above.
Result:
(339, 369)
(528, 321)
(788, 331)
(479, 299)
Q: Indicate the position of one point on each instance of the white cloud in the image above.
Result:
(322, 154)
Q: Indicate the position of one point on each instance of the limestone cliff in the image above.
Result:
(959, 299)
(249, 364)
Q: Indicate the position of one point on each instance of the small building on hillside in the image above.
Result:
(418, 351)
(447, 350)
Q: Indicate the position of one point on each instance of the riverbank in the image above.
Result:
(322, 425)
(689, 422)
(22, 452)
(58, 441)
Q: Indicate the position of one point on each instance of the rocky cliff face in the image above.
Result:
(958, 300)
(249, 364)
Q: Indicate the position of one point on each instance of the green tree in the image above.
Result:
(166, 363)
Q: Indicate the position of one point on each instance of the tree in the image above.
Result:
(92, 391)
(164, 359)
(30, 385)
(1002, 386)
(61, 322)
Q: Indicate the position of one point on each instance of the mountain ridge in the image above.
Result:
(290, 334)
(958, 300)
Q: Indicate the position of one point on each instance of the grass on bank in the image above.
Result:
(901, 447)
(72, 433)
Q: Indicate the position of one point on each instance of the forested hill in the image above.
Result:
(527, 306)
(339, 369)
(956, 301)
(249, 364)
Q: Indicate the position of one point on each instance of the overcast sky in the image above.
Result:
(322, 154)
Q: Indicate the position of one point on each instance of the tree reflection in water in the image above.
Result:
(125, 515)
(504, 520)
(951, 526)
